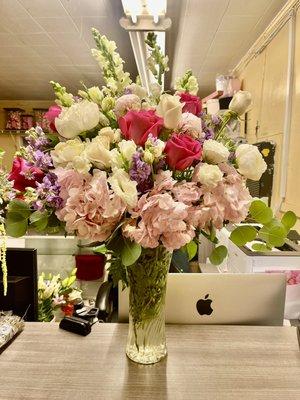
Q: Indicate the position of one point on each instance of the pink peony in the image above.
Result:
(90, 210)
(161, 220)
(137, 125)
(51, 114)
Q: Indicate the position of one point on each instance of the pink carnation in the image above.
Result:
(161, 220)
(191, 125)
(125, 103)
(228, 201)
(91, 210)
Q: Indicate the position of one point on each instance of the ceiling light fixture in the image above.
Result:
(144, 16)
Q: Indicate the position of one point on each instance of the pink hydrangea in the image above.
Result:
(186, 192)
(163, 181)
(228, 201)
(91, 210)
(161, 220)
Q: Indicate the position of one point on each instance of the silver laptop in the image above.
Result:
(238, 299)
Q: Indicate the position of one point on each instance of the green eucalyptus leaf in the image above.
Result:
(260, 212)
(16, 228)
(39, 220)
(130, 252)
(20, 207)
(260, 247)
(191, 249)
(289, 219)
(218, 255)
(274, 234)
(243, 234)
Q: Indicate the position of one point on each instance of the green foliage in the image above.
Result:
(260, 212)
(289, 219)
(274, 233)
(102, 249)
(130, 252)
(260, 247)
(218, 255)
(39, 220)
(243, 234)
(17, 218)
(191, 249)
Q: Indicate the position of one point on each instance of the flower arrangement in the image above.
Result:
(134, 170)
(56, 293)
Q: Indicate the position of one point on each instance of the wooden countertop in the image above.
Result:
(204, 363)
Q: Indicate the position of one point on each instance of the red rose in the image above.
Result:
(181, 151)
(24, 175)
(137, 125)
(192, 103)
(51, 114)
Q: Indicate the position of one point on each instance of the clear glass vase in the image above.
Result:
(146, 343)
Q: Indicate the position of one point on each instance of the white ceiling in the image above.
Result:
(43, 40)
(213, 35)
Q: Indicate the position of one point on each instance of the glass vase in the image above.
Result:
(146, 343)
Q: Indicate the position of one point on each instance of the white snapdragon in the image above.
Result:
(250, 161)
(215, 152)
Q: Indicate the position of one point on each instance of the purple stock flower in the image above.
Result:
(141, 173)
(42, 160)
(48, 193)
(216, 120)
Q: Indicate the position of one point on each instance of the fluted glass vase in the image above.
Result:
(146, 342)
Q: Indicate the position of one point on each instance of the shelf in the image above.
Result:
(12, 132)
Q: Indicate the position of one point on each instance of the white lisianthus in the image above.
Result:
(250, 161)
(78, 118)
(74, 295)
(208, 175)
(98, 151)
(112, 135)
(240, 102)
(82, 164)
(103, 120)
(127, 149)
(191, 125)
(116, 160)
(215, 152)
(170, 108)
(64, 153)
(124, 187)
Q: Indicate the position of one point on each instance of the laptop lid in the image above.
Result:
(238, 299)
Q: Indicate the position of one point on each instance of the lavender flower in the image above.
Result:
(141, 173)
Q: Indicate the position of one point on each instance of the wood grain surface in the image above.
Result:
(204, 362)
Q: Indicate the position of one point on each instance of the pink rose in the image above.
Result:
(51, 114)
(181, 151)
(192, 103)
(137, 125)
(24, 175)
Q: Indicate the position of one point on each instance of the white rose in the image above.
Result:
(78, 118)
(250, 161)
(215, 152)
(127, 149)
(208, 175)
(98, 151)
(124, 187)
(240, 102)
(170, 108)
(65, 152)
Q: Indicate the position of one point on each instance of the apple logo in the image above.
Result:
(204, 306)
